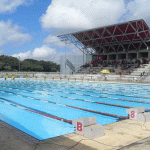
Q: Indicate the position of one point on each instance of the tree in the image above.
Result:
(9, 63)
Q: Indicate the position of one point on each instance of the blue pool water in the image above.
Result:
(27, 104)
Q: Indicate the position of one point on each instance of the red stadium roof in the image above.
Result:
(132, 35)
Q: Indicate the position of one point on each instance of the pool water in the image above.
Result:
(44, 109)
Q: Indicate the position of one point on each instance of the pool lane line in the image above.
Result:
(87, 95)
(98, 112)
(101, 93)
(116, 94)
(109, 93)
(50, 116)
(121, 95)
(122, 106)
(37, 111)
(133, 101)
(90, 95)
(100, 97)
(96, 96)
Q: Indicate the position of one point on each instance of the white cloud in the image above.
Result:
(56, 57)
(54, 40)
(23, 56)
(85, 14)
(11, 5)
(139, 9)
(43, 52)
(10, 33)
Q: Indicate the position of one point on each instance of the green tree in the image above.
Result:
(9, 63)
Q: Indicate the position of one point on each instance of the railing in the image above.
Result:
(29, 74)
(81, 68)
(81, 77)
(70, 65)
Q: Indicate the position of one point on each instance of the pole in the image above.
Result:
(19, 63)
(83, 56)
(65, 57)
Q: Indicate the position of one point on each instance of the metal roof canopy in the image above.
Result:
(132, 35)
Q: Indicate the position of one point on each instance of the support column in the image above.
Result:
(148, 54)
(126, 55)
(65, 58)
(116, 56)
(137, 55)
(83, 56)
(107, 57)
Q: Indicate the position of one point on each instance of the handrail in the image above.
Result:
(70, 65)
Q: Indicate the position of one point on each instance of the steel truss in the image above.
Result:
(132, 35)
(70, 39)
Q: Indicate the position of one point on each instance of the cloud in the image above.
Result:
(23, 56)
(10, 33)
(64, 14)
(54, 40)
(139, 9)
(11, 5)
(43, 52)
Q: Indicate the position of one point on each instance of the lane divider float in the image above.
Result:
(98, 112)
(35, 111)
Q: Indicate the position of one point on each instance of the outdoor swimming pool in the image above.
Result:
(45, 109)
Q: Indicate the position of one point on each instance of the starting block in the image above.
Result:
(94, 131)
(88, 127)
(139, 114)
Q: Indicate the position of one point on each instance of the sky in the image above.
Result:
(29, 28)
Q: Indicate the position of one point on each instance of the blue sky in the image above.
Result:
(29, 28)
(27, 17)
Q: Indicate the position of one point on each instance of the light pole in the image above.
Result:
(65, 58)
(19, 63)
(83, 56)
(65, 41)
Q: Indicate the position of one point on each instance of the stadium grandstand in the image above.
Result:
(124, 46)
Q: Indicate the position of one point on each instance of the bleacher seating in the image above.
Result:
(134, 68)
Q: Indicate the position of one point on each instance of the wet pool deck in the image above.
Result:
(122, 135)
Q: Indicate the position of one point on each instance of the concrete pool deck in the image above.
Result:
(122, 135)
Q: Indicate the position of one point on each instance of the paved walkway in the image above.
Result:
(122, 135)
(143, 144)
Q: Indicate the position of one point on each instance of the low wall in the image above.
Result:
(78, 77)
